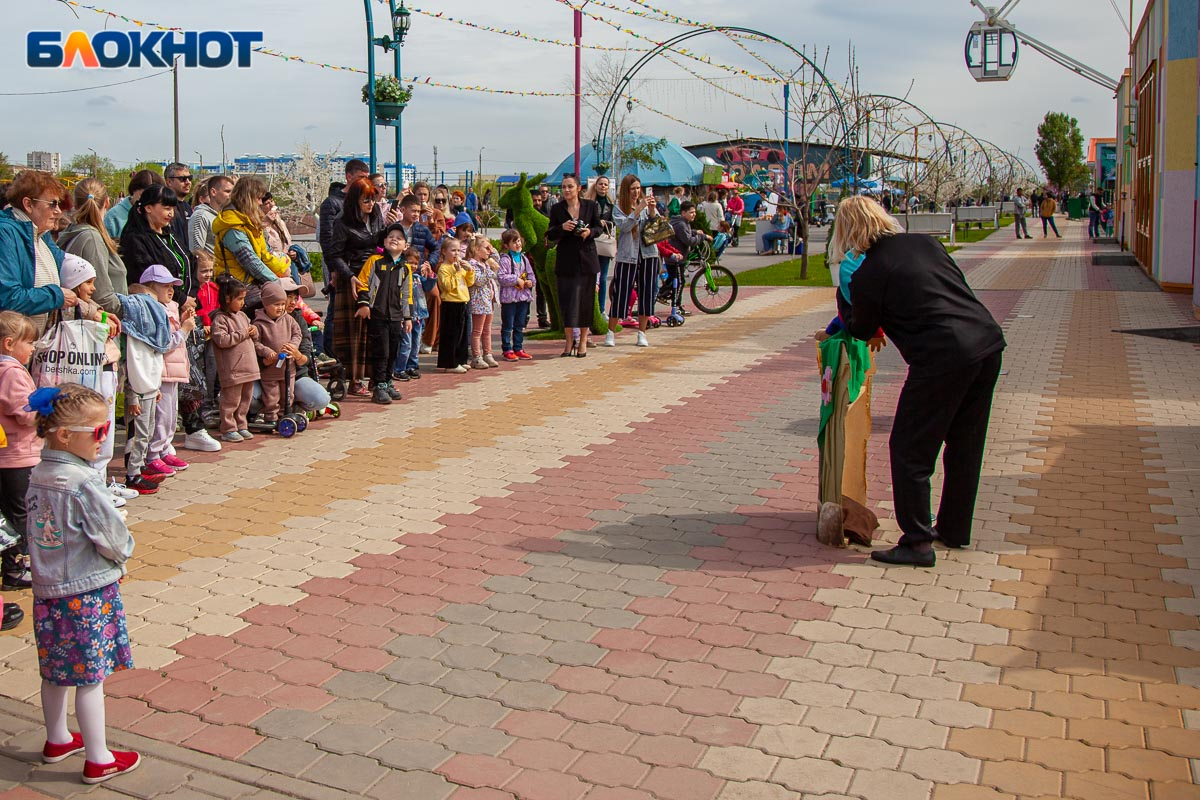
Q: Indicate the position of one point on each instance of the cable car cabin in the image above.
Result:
(991, 52)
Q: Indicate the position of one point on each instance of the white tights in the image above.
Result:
(89, 710)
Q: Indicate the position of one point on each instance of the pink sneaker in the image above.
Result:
(175, 462)
(157, 467)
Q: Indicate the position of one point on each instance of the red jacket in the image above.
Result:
(208, 302)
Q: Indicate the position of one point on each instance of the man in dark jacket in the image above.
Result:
(327, 217)
(909, 286)
(179, 180)
(684, 237)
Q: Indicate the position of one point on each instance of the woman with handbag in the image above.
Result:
(574, 226)
(639, 229)
(606, 242)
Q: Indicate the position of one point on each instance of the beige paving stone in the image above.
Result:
(738, 763)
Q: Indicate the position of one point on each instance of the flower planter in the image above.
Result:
(389, 110)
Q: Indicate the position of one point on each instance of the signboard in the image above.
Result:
(712, 175)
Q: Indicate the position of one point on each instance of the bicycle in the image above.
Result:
(714, 287)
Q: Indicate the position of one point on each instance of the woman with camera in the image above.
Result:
(574, 226)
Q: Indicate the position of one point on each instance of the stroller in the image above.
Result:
(334, 376)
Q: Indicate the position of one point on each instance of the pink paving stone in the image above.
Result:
(316, 625)
(364, 595)
(803, 610)
(631, 664)
(701, 701)
(180, 696)
(709, 613)
(654, 719)
(729, 635)
(245, 684)
(415, 585)
(667, 626)
(599, 737)
(254, 635)
(269, 615)
(720, 731)
(752, 684)
(225, 710)
(677, 648)
(787, 591)
(204, 647)
(422, 569)
(590, 707)
(698, 594)
(310, 646)
(122, 712)
(470, 793)
(334, 587)
(691, 674)
(619, 639)
(365, 635)
(743, 601)
(253, 659)
(616, 793)
(642, 691)
(466, 594)
(778, 644)
(195, 669)
(667, 751)
(655, 606)
(226, 741)
(680, 783)
(169, 727)
(760, 622)
(540, 754)
(581, 679)
(132, 683)
(534, 724)
(543, 785)
(609, 769)
(301, 698)
(317, 604)
(413, 604)
(304, 671)
(361, 659)
(416, 625)
(478, 771)
(375, 616)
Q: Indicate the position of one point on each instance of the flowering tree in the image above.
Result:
(305, 183)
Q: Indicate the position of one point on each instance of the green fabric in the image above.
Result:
(858, 357)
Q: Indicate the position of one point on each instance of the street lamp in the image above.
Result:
(401, 20)
(200, 156)
(95, 161)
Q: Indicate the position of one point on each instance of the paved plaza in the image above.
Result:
(598, 578)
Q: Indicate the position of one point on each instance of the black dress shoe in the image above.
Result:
(905, 556)
(937, 537)
(12, 616)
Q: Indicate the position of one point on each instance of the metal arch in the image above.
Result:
(978, 143)
(627, 79)
(919, 110)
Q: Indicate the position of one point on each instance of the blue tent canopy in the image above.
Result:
(679, 167)
(863, 183)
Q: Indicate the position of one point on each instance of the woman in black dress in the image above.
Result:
(355, 239)
(574, 226)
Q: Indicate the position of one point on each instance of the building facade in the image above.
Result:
(1158, 180)
(44, 161)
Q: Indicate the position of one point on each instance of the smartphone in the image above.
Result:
(649, 191)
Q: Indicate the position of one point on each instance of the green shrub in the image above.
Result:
(318, 267)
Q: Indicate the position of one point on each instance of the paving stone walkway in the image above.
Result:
(598, 578)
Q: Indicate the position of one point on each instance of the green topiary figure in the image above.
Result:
(532, 226)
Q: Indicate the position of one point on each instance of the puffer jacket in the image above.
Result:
(24, 447)
(77, 540)
(17, 266)
(241, 250)
(390, 288)
(175, 361)
(236, 362)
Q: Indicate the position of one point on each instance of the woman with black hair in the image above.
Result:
(147, 239)
(356, 238)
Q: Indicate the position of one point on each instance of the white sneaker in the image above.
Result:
(121, 491)
(117, 501)
(490, 360)
(478, 363)
(610, 339)
(641, 340)
(426, 348)
(201, 440)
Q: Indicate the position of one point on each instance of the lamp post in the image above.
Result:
(480, 175)
(201, 157)
(401, 20)
(95, 161)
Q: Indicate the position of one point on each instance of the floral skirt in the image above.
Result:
(81, 639)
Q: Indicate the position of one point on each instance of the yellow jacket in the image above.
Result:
(254, 249)
(454, 284)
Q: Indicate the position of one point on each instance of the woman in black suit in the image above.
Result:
(574, 225)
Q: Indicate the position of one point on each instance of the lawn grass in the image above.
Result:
(787, 273)
(971, 235)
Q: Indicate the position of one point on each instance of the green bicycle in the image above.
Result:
(714, 287)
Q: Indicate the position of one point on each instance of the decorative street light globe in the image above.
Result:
(401, 20)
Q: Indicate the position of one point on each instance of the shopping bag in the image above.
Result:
(70, 352)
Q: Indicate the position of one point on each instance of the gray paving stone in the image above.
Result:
(600, 581)
(470, 683)
(520, 644)
(524, 667)
(555, 591)
(472, 711)
(545, 559)
(409, 646)
(575, 654)
(613, 618)
(351, 773)
(354, 712)
(415, 785)
(461, 633)
(468, 656)
(561, 610)
(414, 726)
(475, 740)
(465, 612)
(569, 631)
(290, 723)
(511, 602)
(602, 598)
(357, 685)
(509, 584)
(551, 575)
(217, 786)
(678, 563)
(288, 756)
(402, 754)
(415, 670)
(403, 697)
(529, 695)
(339, 737)
(643, 587)
(515, 621)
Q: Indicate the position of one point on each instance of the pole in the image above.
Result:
(224, 171)
(787, 141)
(175, 79)
(435, 172)
(479, 176)
(399, 119)
(371, 82)
(578, 81)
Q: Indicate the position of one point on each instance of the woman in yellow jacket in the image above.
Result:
(455, 278)
(1046, 211)
(241, 247)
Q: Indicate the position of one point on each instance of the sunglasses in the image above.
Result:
(180, 178)
(99, 433)
(441, 201)
(55, 204)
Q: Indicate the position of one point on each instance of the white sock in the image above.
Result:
(54, 712)
(89, 710)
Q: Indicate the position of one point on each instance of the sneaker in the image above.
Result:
(642, 341)
(323, 359)
(358, 390)
(392, 393)
(509, 355)
(118, 502)
(521, 354)
(610, 339)
(459, 370)
(415, 374)
(245, 434)
(426, 349)
(12, 616)
(400, 375)
(175, 462)
(121, 763)
(202, 441)
(54, 753)
(231, 436)
(119, 490)
(380, 395)
(157, 467)
(141, 485)
(490, 360)
(478, 363)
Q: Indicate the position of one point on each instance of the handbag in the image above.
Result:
(656, 230)
(606, 242)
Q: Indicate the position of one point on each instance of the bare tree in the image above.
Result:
(302, 187)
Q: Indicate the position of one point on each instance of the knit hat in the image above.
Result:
(75, 271)
(273, 292)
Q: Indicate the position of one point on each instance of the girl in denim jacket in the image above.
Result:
(78, 547)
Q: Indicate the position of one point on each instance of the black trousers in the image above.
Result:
(453, 347)
(543, 314)
(951, 408)
(14, 483)
(383, 343)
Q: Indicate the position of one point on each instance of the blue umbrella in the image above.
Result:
(678, 167)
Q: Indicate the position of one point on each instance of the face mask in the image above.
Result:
(850, 264)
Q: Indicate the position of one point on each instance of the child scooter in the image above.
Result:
(291, 422)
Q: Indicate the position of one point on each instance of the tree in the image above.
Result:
(305, 183)
(1060, 151)
(6, 168)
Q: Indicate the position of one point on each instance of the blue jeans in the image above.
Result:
(1093, 224)
(771, 237)
(513, 319)
(307, 395)
(407, 357)
(605, 262)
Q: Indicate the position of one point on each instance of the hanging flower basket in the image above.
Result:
(388, 110)
(391, 96)
(602, 168)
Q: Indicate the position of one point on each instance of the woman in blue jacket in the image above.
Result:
(29, 259)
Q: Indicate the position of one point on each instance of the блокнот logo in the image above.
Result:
(113, 49)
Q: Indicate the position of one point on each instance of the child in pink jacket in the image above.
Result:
(22, 451)
(160, 458)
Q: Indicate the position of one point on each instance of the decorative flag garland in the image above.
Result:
(517, 34)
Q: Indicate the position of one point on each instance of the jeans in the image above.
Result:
(307, 395)
(605, 262)
(513, 319)
(1050, 222)
(1020, 224)
(1093, 224)
(409, 353)
(771, 237)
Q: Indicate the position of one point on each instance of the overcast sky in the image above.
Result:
(912, 48)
